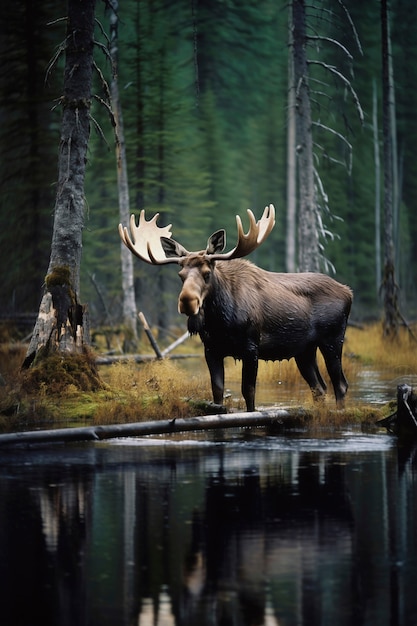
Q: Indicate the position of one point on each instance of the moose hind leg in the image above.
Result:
(249, 374)
(307, 364)
(332, 353)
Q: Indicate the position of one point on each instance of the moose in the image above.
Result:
(248, 313)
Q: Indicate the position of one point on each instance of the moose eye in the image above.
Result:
(206, 276)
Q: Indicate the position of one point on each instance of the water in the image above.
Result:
(239, 528)
(369, 386)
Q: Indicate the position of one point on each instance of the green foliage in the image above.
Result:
(28, 149)
(204, 97)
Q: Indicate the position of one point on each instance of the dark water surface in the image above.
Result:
(244, 528)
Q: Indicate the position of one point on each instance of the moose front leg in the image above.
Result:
(215, 364)
(249, 374)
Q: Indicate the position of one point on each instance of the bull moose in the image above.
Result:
(243, 311)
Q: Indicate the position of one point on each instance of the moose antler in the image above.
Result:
(145, 240)
(257, 233)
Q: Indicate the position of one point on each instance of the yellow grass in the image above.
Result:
(363, 347)
(398, 355)
(157, 390)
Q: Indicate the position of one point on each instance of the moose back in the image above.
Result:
(245, 312)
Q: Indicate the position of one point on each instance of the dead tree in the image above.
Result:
(128, 287)
(392, 315)
(308, 252)
(311, 193)
(62, 322)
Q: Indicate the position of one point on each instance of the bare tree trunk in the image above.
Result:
(61, 323)
(394, 150)
(377, 192)
(291, 161)
(390, 288)
(308, 239)
(162, 320)
(141, 55)
(128, 286)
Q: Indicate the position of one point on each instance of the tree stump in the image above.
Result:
(404, 421)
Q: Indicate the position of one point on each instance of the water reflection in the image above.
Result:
(247, 530)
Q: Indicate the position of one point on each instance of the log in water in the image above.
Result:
(272, 417)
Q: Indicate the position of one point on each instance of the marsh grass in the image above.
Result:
(155, 390)
(363, 347)
(128, 392)
(369, 347)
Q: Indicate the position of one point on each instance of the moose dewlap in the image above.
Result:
(245, 312)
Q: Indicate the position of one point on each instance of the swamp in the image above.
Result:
(310, 523)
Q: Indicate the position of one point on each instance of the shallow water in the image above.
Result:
(239, 527)
(370, 386)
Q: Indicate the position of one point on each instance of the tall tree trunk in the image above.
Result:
(377, 191)
(308, 239)
(163, 320)
(391, 312)
(140, 114)
(290, 252)
(61, 323)
(128, 286)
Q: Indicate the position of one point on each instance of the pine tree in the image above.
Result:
(28, 139)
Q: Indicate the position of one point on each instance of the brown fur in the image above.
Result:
(243, 311)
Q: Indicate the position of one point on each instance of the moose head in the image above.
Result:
(154, 245)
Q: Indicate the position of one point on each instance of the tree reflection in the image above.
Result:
(43, 538)
(175, 536)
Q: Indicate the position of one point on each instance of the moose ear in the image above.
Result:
(216, 242)
(172, 248)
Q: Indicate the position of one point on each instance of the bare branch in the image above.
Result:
(321, 93)
(105, 50)
(99, 130)
(61, 48)
(354, 31)
(108, 107)
(57, 21)
(58, 102)
(103, 32)
(334, 132)
(345, 81)
(326, 155)
(104, 83)
(341, 137)
(321, 188)
(333, 41)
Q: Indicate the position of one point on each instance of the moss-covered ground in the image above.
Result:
(69, 390)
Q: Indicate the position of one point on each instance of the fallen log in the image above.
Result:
(139, 358)
(144, 358)
(271, 417)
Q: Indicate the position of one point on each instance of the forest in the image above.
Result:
(204, 91)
